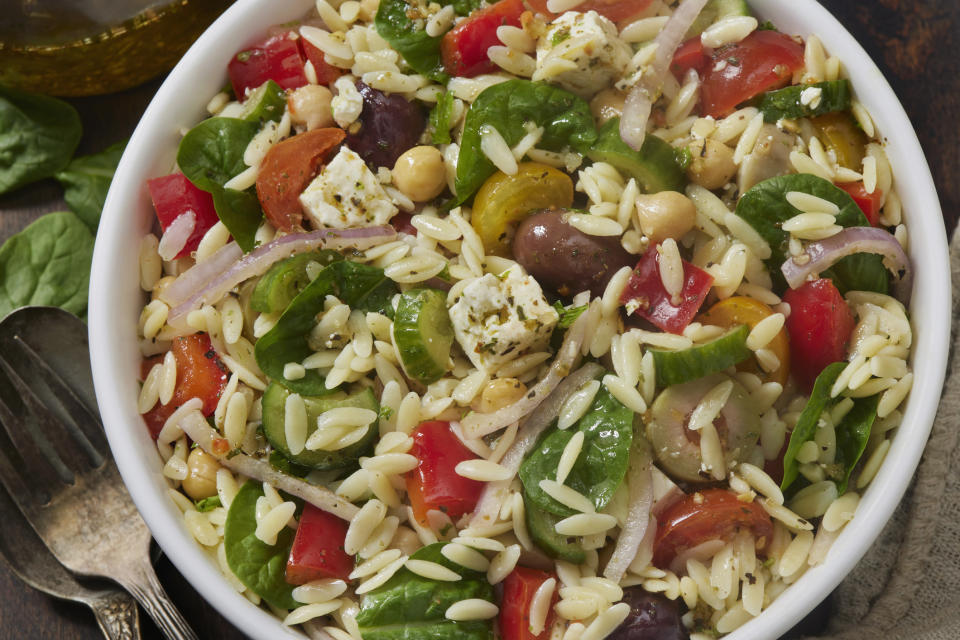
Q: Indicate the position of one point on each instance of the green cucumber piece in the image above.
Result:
(266, 102)
(699, 361)
(655, 167)
(541, 526)
(285, 279)
(785, 103)
(423, 334)
(716, 10)
(274, 405)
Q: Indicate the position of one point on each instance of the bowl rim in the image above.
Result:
(108, 322)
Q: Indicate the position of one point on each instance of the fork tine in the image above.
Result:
(85, 419)
(30, 473)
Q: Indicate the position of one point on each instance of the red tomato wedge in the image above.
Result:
(690, 55)
(173, 196)
(464, 48)
(869, 203)
(287, 169)
(819, 324)
(615, 10)
(435, 484)
(762, 61)
(326, 72)
(200, 374)
(317, 550)
(646, 297)
(518, 590)
(710, 514)
(277, 58)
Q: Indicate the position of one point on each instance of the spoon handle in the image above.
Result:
(117, 615)
(146, 588)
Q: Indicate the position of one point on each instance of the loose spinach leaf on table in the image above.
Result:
(48, 263)
(86, 181)
(358, 285)
(421, 51)
(508, 106)
(608, 431)
(765, 208)
(261, 567)
(412, 607)
(38, 136)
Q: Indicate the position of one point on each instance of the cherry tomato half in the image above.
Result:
(615, 10)
(820, 324)
(743, 310)
(869, 203)
(464, 48)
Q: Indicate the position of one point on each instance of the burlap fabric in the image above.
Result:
(907, 587)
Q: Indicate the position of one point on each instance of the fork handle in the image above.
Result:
(146, 588)
(117, 615)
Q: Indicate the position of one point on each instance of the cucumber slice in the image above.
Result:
(677, 367)
(274, 403)
(285, 279)
(786, 103)
(541, 526)
(716, 10)
(655, 167)
(266, 102)
(423, 334)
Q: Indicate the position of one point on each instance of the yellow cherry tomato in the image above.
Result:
(839, 132)
(504, 201)
(743, 310)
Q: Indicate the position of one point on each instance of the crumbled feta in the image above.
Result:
(497, 318)
(346, 194)
(348, 103)
(582, 53)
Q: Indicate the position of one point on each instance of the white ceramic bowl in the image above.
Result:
(115, 301)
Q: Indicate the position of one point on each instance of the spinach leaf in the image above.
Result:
(852, 435)
(765, 208)
(240, 212)
(565, 118)
(421, 51)
(261, 567)
(38, 135)
(806, 427)
(48, 263)
(86, 181)
(787, 102)
(466, 7)
(411, 607)
(567, 316)
(608, 431)
(440, 117)
(358, 285)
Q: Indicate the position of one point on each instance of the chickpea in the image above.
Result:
(667, 214)
(160, 287)
(420, 173)
(405, 540)
(201, 480)
(310, 107)
(712, 163)
(499, 393)
(607, 104)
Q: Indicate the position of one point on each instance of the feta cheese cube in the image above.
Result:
(348, 103)
(582, 53)
(346, 194)
(498, 318)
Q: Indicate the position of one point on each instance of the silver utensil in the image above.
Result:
(57, 468)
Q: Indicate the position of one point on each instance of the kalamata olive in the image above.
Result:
(652, 617)
(565, 259)
(389, 125)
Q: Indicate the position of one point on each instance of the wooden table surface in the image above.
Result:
(911, 40)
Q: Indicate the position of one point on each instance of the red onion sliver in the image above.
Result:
(640, 487)
(175, 236)
(820, 256)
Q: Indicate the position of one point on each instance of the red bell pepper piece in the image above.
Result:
(464, 48)
(174, 195)
(518, 590)
(435, 484)
(326, 72)
(869, 203)
(819, 324)
(646, 296)
(317, 550)
(277, 58)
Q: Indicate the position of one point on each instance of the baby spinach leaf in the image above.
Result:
(765, 208)
(358, 285)
(38, 135)
(86, 181)
(440, 117)
(852, 435)
(806, 427)
(240, 212)
(508, 106)
(608, 431)
(48, 263)
(261, 567)
(411, 607)
(788, 103)
(421, 51)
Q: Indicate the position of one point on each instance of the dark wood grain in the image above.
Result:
(911, 40)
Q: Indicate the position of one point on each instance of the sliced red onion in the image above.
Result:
(640, 487)
(176, 235)
(198, 430)
(494, 493)
(639, 102)
(204, 290)
(820, 256)
(477, 425)
(201, 274)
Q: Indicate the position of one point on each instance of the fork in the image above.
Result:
(53, 468)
